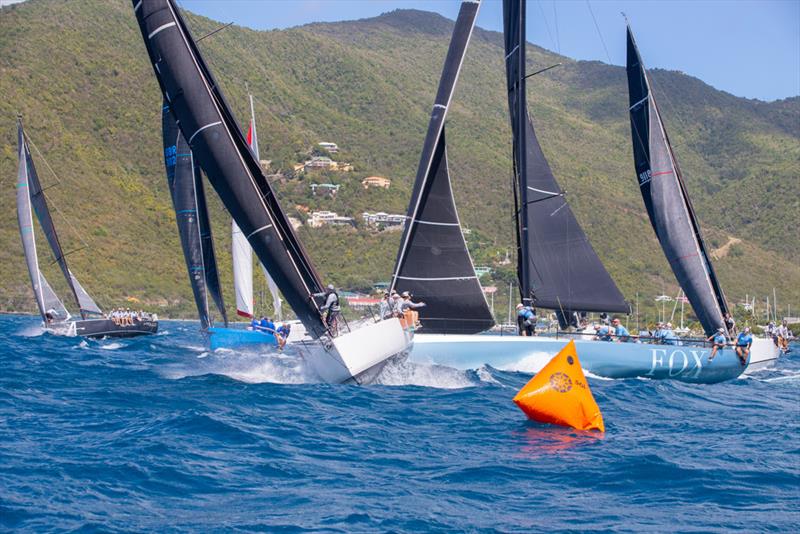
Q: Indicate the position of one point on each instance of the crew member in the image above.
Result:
(730, 324)
(602, 332)
(621, 333)
(668, 336)
(407, 309)
(743, 344)
(526, 320)
(385, 310)
(332, 308)
(718, 341)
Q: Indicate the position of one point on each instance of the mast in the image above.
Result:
(666, 198)
(557, 266)
(252, 140)
(217, 144)
(433, 261)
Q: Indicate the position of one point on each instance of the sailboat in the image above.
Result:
(55, 317)
(184, 178)
(433, 262)
(559, 270)
(217, 144)
(672, 216)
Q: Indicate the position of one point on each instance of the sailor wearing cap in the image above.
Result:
(718, 341)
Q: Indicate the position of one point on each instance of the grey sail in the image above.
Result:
(87, 304)
(184, 179)
(39, 203)
(433, 262)
(667, 201)
(206, 121)
(46, 299)
(52, 304)
(557, 266)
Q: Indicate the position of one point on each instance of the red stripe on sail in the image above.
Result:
(250, 136)
(654, 174)
(240, 313)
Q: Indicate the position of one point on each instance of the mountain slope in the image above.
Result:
(78, 73)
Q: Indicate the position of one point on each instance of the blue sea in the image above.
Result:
(159, 434)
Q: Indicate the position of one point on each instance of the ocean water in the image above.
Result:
(158, 434)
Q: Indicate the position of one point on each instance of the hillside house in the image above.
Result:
(319, 219)
(321, 190)
(376, 181)
(385, 220)
(324, 163)
(481, 270)
(333, 148)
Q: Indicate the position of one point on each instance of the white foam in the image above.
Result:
(31, 331)
(485, 375)
(244, 367)
(532, 363)
(425, 375)
(112, 346)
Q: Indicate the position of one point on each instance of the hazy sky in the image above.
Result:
(748, 48)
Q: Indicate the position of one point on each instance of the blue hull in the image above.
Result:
(610, 360)
(231, 338)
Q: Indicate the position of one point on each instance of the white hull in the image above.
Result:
(359, 356)
(763, 354)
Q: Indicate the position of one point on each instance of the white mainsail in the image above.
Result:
(252, 139)
(242, 271)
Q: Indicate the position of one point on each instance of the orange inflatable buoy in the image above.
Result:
(560, 395)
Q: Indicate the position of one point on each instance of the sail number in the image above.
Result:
(644, 177)
(171, 155)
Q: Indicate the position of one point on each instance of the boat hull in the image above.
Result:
(605, 359)
(357, 357)
(231, 338)
(98, 328)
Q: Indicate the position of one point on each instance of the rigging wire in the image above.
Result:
(599, 33)
(546, 25)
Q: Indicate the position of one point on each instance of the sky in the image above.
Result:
(745, 47)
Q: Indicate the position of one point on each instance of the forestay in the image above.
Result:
(206, 121)
(557, 266)
(667, 201)
(433, 262)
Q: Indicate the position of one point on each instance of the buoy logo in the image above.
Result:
(560, 382)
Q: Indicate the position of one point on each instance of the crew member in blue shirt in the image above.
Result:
(526, 320)
(602, 332)
(668, 337)
(743, 343)
(718, 339)
(622, 334)
(254, 324)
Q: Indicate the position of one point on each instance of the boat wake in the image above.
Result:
(31, 331)
(247, 367)
(407, 373)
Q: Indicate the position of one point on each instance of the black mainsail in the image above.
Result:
(191, 213)
(205, 119)
(557, 266)
(433, 262)
(667, 200)
(39, 202)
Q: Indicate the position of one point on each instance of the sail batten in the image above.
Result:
(196, 101)
(433, 262)
(667, 200)
(557, 266)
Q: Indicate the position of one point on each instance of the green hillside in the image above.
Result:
(78, 73)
